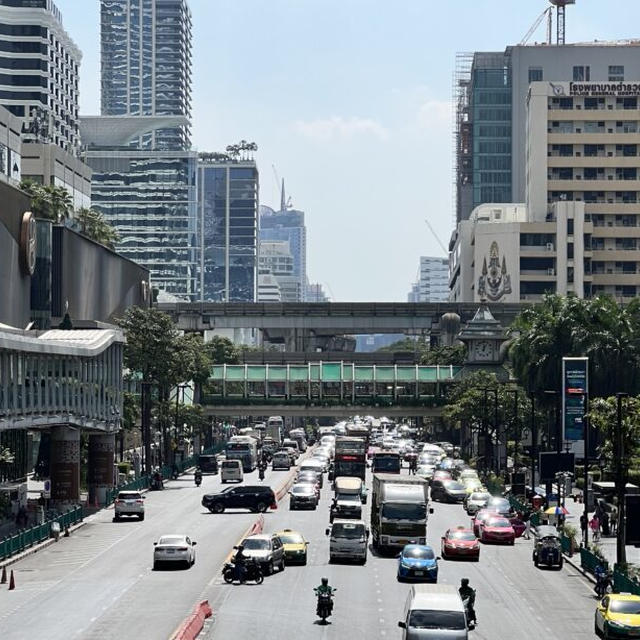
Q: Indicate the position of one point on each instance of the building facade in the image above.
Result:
(228, 217)
(316, 293)
(39, 66)
(268, 287)
(491, 109)
(146, 65)
(433, 282)
(287, 225)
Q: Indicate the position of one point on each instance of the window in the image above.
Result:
(581, 74)
(616, 72)
(535, 74)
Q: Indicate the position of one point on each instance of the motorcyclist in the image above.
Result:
(198, 476)
(324, 588)
(602, 576)
(413, 464)
(467, 593)
(240, 562)
(261, 470)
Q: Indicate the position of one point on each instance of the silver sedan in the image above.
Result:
(174, 548)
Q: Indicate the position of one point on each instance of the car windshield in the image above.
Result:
(348, 530)
(449, 620)
(404, 511)
(171, 540)
(230, 464)
(480, 496)
(498, 522)
(420, 553)
(255, 544)
(128, 495)
(452, 485)
(461, 535)
(345, 497)
(630, 607)
(291, 538)
(302, 488)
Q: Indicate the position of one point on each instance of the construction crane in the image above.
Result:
(560, 6)
(435, 235)
(548, 12)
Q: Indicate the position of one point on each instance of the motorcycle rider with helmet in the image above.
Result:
(240, 562)
(323, 589)
(468, 594)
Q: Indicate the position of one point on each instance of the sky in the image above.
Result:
(350, 102)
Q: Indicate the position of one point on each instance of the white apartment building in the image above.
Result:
(268, 287)
(433, 281)
(580, 229)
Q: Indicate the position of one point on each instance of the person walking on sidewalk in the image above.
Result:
(594, 525)
(614, 519)
(584, 523)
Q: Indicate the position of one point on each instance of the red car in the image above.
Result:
(497, 529)
(481, 516)
(518, 526)
(460, 543)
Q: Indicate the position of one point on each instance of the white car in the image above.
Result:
(174, 548)
(128, 503)
(281, 460)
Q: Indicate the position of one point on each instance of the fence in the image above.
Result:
(589, 560)
(622, 583)
(33, 535)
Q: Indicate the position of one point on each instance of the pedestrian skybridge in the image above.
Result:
(60, 377)
(318, 388)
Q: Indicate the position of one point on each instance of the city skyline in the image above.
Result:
(374, 98)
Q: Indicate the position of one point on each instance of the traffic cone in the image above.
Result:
(3, 580)
(12, 582)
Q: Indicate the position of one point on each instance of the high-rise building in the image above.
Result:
(268, 287)
(316, 293)
(146, 65)
(491, 102)
(276, 258)
(228, 214)
(287, 225)
(433, 282)
(39, 72)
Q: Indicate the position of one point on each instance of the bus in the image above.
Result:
(245, 449)
(208, 463)
(386, 462)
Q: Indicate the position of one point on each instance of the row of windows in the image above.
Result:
(493, 115)
(492, 131)
(593, 173)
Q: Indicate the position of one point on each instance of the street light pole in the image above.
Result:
(621, 551)
(534, 443)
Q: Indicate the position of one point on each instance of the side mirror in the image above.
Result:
(398, 555)
(327, 531)
(193, 543)
(430, 509)
(402, 625)
(307, 544)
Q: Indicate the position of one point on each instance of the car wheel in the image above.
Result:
(217, 507)
(512, 542)
(535, 561)
(116, 517)
(141, 516)
(156, 565)
(270, 568)
(304, 560)
(282, 565)
(261, 507)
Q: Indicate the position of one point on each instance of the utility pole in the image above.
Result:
(621, 551)
(534, 442)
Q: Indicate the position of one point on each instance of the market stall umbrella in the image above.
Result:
(556, 511)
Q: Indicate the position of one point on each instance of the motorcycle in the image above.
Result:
(198, 480)
(261, 473)
(469, 610)
(156, 482)
(603, 585)
(252, 572)
(325, 605)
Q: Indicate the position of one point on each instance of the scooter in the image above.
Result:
(325, 606)
(252, 572)
(603, 585)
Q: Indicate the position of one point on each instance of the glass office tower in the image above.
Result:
(146, 65)
(228, 212)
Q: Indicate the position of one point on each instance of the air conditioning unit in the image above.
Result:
(551, 271)
(549, 246)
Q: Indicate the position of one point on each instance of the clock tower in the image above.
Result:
(483, 337)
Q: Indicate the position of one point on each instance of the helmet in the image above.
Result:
(325, 581)
(464, 582)
(240, 547)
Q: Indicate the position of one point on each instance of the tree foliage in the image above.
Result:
(6, 456)
(49, 202)
(427, 354)
(601, 329)
(92, 224)
(222, 351)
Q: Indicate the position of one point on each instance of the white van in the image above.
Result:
(231, 471)
(348, 540)
(434, 611)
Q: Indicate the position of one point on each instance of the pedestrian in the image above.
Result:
(604, 523)
(584, 522)
(594, 525)
(614, 520)
(527, 525)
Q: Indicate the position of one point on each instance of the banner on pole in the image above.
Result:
(575, 385)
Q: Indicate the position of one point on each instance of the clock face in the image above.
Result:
(483, 350)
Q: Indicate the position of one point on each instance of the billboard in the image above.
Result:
(575, 385)
(552, 463)
(632, 523)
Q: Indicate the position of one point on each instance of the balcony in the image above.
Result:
(593, 138)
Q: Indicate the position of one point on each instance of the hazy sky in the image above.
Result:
(351, 101)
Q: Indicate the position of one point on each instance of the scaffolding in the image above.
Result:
(462, 133)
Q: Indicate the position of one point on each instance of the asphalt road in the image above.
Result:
(99, 582)
(514, 599)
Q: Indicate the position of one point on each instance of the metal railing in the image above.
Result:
(622, 583)
(589, 560)
(26, 538)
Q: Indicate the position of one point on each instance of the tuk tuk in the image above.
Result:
(547, 547)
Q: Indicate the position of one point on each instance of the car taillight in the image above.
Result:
(181, 549)
(139, 501)
(274, 505)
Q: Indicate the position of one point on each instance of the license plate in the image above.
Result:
(403, 542)
(170, 551)
(419, 573)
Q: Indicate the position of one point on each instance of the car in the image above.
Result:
(174, 548)
(303, 496)
(311, 475)
(325, 460)
(267, 549)
(441, 474)
(256, 498)
(425, 471)
(460, 542)
(618, 615)
(468, 473)
(417, 562)
(293, 454)
(476, 501)
(281, 460)
(295, 546)
(480, 517)
(129, 503)
(497, 529)
(472, 485)
(313, 464)
(448, 491)
(501, 506)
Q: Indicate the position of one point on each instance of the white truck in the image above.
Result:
(347, 501)
(348, 540)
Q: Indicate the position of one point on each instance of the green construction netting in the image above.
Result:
(277, 374)
(363, 374)
(235, 372)
(298, 373)
(428, 374)
(217, 372)
(406, 374)
(331, 372)
(256, 373)
(385, 374)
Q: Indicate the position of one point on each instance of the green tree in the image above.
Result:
(427, 354)
(222, 351)
(6, 457)
(92, 224)
(49, 202)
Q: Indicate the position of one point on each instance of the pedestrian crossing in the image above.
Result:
(85, 546)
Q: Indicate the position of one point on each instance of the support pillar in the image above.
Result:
(100, 469)
(65, 465)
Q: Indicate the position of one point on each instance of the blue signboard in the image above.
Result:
(575, 386)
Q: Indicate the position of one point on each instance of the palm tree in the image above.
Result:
(61, 202)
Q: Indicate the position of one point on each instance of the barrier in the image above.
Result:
(26, 538)
(589, 560)
(193, 625)
(622, 583)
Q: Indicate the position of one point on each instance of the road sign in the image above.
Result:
(46, 493)
(575, 387)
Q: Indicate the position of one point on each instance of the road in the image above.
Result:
(515, 600)
(99, 583)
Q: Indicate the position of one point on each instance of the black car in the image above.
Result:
(257, 499)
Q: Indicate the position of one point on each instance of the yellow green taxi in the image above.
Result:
(472, 485)
(618, 616)
(295, 546)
